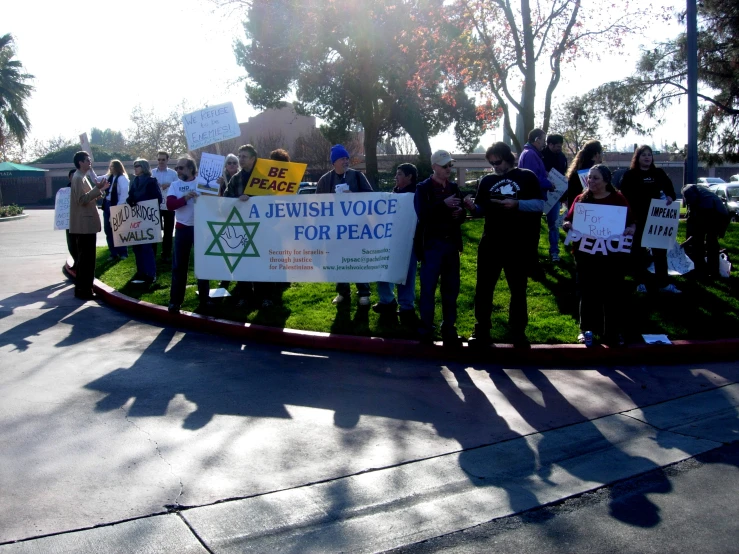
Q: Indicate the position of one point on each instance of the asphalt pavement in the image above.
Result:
(123, 435)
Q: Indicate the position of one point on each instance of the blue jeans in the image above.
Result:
(553, 224)
(184, 238)
(115, 251)
(440, 261)
(406, 293)
(146, 264)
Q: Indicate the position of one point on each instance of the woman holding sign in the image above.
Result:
(641, 183)
(144, 187)
(599, 274)
(118, 179)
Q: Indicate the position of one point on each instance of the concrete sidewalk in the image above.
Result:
(123, 435)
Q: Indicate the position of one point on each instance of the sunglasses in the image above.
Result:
(179, 167)
(496, 164)
(137, 165)
(447, 166)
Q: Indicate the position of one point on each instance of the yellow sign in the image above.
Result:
(273, 177)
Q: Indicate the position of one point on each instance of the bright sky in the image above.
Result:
(93, 63)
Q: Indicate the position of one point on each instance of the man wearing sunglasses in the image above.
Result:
(510, 201)
(438, 243)
(165, 177)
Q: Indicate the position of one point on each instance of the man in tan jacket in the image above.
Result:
(84, 223)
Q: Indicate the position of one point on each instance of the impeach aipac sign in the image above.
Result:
(348, 238)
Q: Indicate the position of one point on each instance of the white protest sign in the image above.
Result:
(210, 125)
(600, 245)
(660, 228)
(598, 220)
(678, 262)
(139, 224)
(583, 175)
(560, 187)
(211, 167)
(344, 238)
(85, 144)
(61, 209)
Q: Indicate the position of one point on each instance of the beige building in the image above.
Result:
(276, 128)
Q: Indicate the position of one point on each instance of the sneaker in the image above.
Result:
(173, 308)
(452, 341)
(672, 289)
(381, 308)
(479, 340)
(641, 288)
(556, 258)
(365, 301)
(338, 300)
(408, 318)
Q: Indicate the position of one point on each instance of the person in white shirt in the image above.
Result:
(181, 198)
(118, 179)
(165, 177)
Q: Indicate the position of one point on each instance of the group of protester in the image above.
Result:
(511, 200)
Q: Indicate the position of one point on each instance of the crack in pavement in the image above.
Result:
(175, 504)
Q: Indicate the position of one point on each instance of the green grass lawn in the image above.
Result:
(705, 311)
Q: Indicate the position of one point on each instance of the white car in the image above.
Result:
(710, 181)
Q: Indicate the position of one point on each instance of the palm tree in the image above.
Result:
(14, 91)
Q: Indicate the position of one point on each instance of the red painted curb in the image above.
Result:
(546, 355)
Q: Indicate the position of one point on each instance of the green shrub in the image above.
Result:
(11, 210)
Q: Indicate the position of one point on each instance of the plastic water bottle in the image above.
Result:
(588, 338)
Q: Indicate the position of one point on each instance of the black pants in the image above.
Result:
(490, 262)
(184, 240)
(72, 247)
(600, 282)
(85, 264)
(703, 247)
(167, 231)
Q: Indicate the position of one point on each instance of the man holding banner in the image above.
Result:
(341, 179)
(236, 188)
(181, 198)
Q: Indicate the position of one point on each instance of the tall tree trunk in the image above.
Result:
(371, 136)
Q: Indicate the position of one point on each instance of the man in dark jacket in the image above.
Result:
(438, 204)
(554, 159)
(708, 219)
(348, 180)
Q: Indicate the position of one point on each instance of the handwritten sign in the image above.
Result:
(139, 224)
(61, 209)
(678, 262)
(211, 125)
(270, 177)
(599, 220)
(660, 228)
(560, 187)
(583, 175)
(85, 144)
(211, 167)
(600, 245)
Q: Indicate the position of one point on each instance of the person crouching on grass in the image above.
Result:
(600, 276)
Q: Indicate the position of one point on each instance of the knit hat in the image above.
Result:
(338, 152)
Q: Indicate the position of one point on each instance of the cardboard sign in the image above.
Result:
(211, 167)
(560, 187)
(270, 177)
(139, 224)
(335, 238)
(660, 228)
(61, 209)
(211, 125)
(598, 220)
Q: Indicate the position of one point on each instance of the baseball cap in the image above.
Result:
(441, 157)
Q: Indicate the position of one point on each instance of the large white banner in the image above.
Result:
(139, 224)
(210, 125)
(660, 228)
(344, 238)
(61, 209)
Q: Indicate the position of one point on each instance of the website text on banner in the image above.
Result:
(139, 224)
(660, 228)
(271, 177)
(344, 238)
(210, 125)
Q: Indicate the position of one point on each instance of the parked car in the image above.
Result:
(709, 181)
(729, 195)
(734, 178)
(307, 187)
